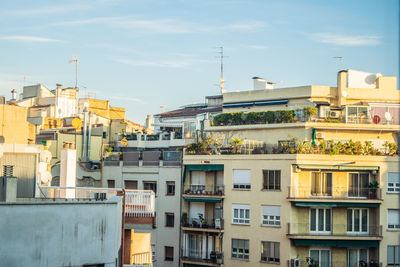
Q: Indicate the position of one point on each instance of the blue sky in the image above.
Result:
(144, 54)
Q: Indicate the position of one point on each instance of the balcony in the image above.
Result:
(352, 194)
(140, 207)
(339, 263)
(201, 190)
(334, 231)
(213, 225)
(192, 256)
(143, 159)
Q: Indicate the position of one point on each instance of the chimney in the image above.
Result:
(8, 185)
(261, 84)
(341, 88)
(148, 124)
(68, 170)
(14, 94)
(58, 85)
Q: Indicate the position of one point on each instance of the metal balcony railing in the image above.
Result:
(195, 255)
(334, 192)
(214, 224)
(139, 203)
(201, 189)
(334, 229)
(143, 258)
(58, 192)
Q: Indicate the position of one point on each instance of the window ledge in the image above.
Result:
(240, 224)
(241, 189)
(394, 193)
(271, 226)
(393, 229)
(241, 259)
(271, 190)
(270, 262)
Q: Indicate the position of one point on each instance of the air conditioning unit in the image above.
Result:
(319, 135)
(217, 223)
(334, 114)
(99, 196)
(295, 263)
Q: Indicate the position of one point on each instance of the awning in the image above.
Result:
(321, 103)
(255, 103)
(338, 167)
(337, 243)
(201, 167)
(202, 199)
(335, 204)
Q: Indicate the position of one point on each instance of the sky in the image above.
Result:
(142, 55)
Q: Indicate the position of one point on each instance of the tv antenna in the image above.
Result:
(221, 56)
(340, 61)
(75, 60)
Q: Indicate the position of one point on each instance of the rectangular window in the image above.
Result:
(393, 182)
(130, 184)
(272, 179)
(150, 186)
(320, 220)
(271, 215)
(393, 219)
(357, 255)
(241, 179)
(358, 185)
(111, 183)
(240, 249)
(393, 255)
(321, 256)
(170, 188)
(153, 252)
(169, 253)
(169, 219)
(240, 214)
(357, 114)
(357, 221)
(321, 184)
(270, 251)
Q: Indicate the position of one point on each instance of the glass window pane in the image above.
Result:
(320, 219)
(325, 256)
(364, 220)
(349, 220)
(328, 219)
(313, 220)
(356, 220)
(247, 214)
(271, 180)
(278, 180)
(314, 254)
(390, 254)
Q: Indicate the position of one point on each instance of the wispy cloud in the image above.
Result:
(166, 26)
(347, 40)
(255, 46)
(47, 10)
(29, 39)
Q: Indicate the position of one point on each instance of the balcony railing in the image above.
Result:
(139, 203)
(201, 189)
(93, 193)
(195, 256)
(216, 224)
(335, 263)
(334, 230)
(334, 193)
(143, 258)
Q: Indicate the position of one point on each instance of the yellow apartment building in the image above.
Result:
(316, 185)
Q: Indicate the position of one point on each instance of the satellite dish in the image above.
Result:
(344, 94)
(388, 116)
(76, 123)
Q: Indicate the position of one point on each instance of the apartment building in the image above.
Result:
(305, 176)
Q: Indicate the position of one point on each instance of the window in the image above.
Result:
(195, 242)
(358, 184)
(357, 255)
(241, 214)
(357, 221)
(150, 186)
(393, 182)
(240, 249)
(394, 219)
(393, 255)
(130, 184)
(271, 215)
(169, 253)
(357, 114)
(320, 220)
(241, 179)
(153, 252)
(321, 184)
(270, 251)
(272, 179)
(170, 188)
(111, 183)
(198, 181)
(322, 256)
(169, 219)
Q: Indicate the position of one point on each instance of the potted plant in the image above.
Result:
(184, 219)
(202, 221)
(373, 186)
(219, 258)
(311, 262)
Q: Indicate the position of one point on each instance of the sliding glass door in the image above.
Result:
(321, 184)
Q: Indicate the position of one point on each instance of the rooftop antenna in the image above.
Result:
(221, 56)
(75, 60)
(340, 61)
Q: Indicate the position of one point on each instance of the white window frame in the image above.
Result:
(360, 232)
(325, 223)
(358, 255)
(242, 186)
(271, 219)
(241, 210)
(319, 254)
(271, 257)
(393, 187)
(393, 226)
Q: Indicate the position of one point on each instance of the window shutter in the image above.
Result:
(241, 176)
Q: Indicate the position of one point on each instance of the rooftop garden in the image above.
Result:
(278, 116)
(216, 145)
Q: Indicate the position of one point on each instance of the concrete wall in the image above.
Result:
(14, 127)
(60, 233)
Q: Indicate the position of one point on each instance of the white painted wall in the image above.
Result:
(67, 233)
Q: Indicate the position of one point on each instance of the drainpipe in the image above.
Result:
(84, 134)
(89, 137)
